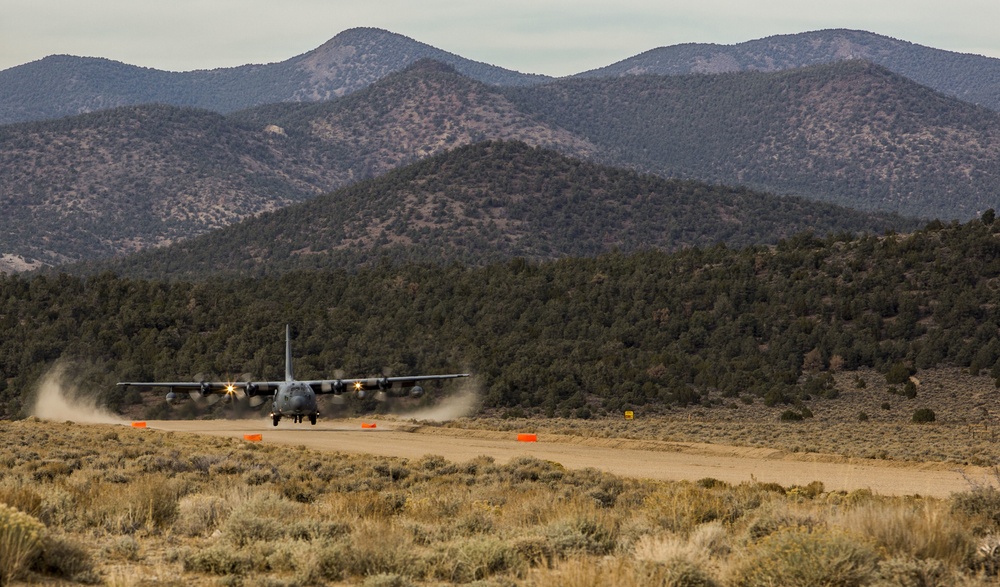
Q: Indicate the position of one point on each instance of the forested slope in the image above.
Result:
(851, 133)
(972, 78)
(575, 336)
(490, 202)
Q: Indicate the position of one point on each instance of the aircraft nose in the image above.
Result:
(298, 402)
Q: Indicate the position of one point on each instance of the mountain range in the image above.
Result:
(491, 202)
(973, 78)
(63, 85)
(124, 179)
(851, 133)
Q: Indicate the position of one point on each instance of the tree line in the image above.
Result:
(577, 336)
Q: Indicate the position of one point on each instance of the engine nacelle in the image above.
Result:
(173, 399)
(361, 394)
(416, 391)
(252, 389)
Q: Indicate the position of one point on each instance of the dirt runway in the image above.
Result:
(631, 458)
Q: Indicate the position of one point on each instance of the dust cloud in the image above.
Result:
(58, 399)
(463, 403)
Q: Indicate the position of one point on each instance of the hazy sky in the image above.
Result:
(555, 37)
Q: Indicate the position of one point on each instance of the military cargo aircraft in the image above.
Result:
(292, 398)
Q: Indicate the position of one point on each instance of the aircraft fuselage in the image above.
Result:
(295, 400)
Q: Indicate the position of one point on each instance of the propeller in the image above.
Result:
(201, 396)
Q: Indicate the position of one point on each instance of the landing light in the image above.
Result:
(357, 386)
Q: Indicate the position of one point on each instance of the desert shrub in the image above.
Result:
(622, 572)
(807, 558)
(862, 417)
(533, 469)
(676, 572)
(923, 415)
(583, 534)
(708, 540)
(124, 548)
(21, 539)
(259, 476)
(980, 507)
(245, 528)
(64, 558)
(476, 559)
(988, 555)
(711, 483)
(380, 547)
(905, 531)
(477, 522)
(537, 551)
(790, 416)
(198, 514)
(386, 580)
(23, 499)
(218, 559)
(813, 490)
(682, 507)
(909, 572)
(150, 502)
(775, 517)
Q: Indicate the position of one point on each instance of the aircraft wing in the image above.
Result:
(363, 384)
(210, 387)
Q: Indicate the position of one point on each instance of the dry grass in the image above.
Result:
(966, 430)
(129, 507)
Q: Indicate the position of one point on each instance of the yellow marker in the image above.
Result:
(629, 415)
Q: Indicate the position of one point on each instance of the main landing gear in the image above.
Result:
(296, 418)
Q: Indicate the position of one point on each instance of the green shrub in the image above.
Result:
(807, 558)
(790, 416)
(21, 539)
(862, 417)
(923, 415)
(898, 373)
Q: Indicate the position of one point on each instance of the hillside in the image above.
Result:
(761, 324)
(972, 78)
(851, 133)
(491, 202)
(64, 85)
(150, 175)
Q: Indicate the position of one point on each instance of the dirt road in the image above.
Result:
(643, 459)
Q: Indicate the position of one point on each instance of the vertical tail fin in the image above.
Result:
(289, 376)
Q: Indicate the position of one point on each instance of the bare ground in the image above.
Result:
(650, 459)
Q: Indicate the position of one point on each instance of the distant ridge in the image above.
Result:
(972, 78)
(851, 133)
(63, 85)
(491, 202)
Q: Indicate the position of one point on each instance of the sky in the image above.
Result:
(553, 37)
